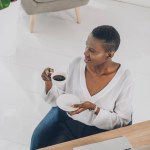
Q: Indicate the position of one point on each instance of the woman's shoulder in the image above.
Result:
(75, 61)
(126, 70)
(127, 74)
(74, 65)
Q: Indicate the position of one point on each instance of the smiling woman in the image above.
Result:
(104, 89)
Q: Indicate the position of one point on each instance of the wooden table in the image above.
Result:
(137, 134)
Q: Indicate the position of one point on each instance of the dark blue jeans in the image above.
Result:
(47, 128)
(57, 127)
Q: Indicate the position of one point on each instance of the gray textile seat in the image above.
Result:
(33, 7)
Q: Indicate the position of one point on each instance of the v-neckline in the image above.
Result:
(102, 92)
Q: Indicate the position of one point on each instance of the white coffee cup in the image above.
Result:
(56, 78)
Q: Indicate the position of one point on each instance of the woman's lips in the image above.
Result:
(87, 59)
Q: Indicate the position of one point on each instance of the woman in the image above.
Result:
(104, 87)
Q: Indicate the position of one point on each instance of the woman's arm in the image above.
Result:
(103, 118)
(84, 106)
(53, 94)
(51, 91)
(48, 86)
(121, 115)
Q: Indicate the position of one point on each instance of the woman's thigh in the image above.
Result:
(47, 128)
(79, 129)
(63, 134)
(71, 129)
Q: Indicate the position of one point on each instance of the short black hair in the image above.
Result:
(109, 35)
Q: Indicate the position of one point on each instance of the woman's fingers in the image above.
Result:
(76, 111)
(46, 75)
(77, 105)
(86, 105)
(45, 78)
(50, 72)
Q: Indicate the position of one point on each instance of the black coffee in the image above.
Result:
(59, 78)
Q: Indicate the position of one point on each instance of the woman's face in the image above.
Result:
(94, 53)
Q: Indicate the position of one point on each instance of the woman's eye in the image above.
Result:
(91, 50)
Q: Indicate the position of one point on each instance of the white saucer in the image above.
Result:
(65, 101)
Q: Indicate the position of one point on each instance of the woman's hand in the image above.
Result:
(81, 107)
(46, 75)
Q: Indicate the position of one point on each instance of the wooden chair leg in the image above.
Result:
(32, 23)
(77, 11)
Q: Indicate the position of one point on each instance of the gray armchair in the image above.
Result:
(34, 7)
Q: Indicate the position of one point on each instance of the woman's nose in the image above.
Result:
(86, 51)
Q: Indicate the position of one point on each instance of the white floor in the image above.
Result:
(56, 41)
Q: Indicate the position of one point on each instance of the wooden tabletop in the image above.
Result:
(137, 134)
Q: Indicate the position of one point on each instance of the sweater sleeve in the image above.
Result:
(53, 94)
(55, 91)
(121, 115)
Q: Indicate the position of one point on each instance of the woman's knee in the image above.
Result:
(46, 128)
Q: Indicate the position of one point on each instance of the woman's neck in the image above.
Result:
(103, 69)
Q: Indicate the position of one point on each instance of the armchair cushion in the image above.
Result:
(33, 7)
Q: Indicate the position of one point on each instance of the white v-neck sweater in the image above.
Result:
(115, 100)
